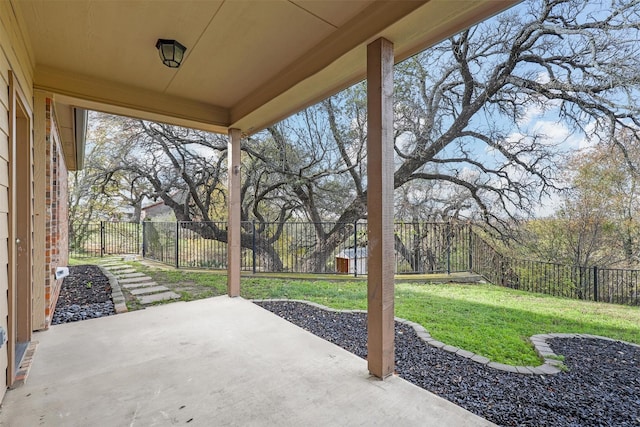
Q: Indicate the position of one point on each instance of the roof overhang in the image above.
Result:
(72, 128)
(248, 64)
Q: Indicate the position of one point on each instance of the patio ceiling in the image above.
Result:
(248, 64)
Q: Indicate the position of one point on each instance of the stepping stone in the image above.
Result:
(139, 285)
(139, 279)
(127, 275)
(149, 299)
(149, 290)
(125, 271)
(116, 267)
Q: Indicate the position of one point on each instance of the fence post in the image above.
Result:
(177, 246)
(355, 249)
(144, 240)
(595, 283)
(253, 245)
(448, 248)
(102, 239)
(470, 243)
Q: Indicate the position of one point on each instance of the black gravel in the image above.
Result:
(85, 294)
(601, 387)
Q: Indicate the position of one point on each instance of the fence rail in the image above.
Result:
(341, 248)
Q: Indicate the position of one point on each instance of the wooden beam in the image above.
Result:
(380, 283)
(116, 98)
(233, 230)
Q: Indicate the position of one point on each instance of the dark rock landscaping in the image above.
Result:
(85, 294)
(600, 388)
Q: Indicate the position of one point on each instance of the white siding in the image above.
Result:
(4, 209)
(14, 57)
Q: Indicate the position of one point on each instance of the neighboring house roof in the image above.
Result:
(153, 205)
(159, 208)
(155, 210)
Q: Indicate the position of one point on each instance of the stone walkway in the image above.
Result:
(143, 288)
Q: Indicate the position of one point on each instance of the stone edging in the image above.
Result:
(552, 364)
(119, 303)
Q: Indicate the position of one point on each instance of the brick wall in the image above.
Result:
(57, 218)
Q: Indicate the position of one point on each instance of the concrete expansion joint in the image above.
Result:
(552, 362)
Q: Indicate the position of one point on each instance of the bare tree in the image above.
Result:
(186, 169)
(462, 110)
(465, 145)
(96, 192)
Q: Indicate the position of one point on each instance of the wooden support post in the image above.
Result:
(233, 224)
(41, 268)
(380, 168)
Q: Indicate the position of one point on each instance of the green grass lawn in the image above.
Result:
(492, 321)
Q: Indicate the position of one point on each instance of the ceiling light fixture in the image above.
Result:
(171, 52)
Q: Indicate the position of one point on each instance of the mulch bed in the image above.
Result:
(601, 388)
(85, 294)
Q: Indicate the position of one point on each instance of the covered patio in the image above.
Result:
(219, 361)
(248, 64)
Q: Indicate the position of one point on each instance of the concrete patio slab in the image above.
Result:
(217, 361)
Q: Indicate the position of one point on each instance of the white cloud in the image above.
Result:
(552, 131)
(533, 111)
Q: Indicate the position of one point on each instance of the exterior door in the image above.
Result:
(21, 229)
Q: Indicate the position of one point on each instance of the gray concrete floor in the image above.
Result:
(213, 362)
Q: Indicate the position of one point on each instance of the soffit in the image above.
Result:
(65, 122)
(248, 63)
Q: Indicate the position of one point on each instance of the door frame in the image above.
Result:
(20, 224)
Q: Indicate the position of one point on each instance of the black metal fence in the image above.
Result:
(302, 247)
(104, 238)
(617, 286)
(174, 244)
(297, 247)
